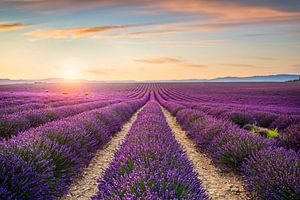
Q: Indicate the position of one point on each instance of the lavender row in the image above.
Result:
(18, 102)
(21, 98)
(278, 109)
(18, 122)
(288, 137)
(41, 163)
(53, 99)
(270, 172)
(42, 105)
(245, 115)
(14, 123)
(288, 126)
(11, 102)
(263, 94)
(150, 164)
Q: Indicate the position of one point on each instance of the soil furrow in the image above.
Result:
(86, 184)
(219, 185)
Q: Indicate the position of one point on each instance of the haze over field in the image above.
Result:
(148, 40)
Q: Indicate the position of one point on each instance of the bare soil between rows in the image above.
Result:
(218, 185)
(85, 185)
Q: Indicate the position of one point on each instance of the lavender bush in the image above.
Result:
(230, 149)
(243, 116)
(47, 158)
(269, 172)
(290, 138)
(17, 122)
(273, 173)
(150, 164)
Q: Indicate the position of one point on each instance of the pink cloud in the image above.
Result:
(169, 60)
(12, 26)
(73, 32)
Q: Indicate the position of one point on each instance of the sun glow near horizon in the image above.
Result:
(70, 74)
(201, 41)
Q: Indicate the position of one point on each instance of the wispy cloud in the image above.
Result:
(136, 34)
(72, 33)
(96, 71)
(230, 9)
(241, 65)
(169, 60)
(215, 14)
(159, 60)
(296, 66)
(191, 42)
(12, 26)
(142, 69)
(194, 65)
(294, 33)
(265, 58)
(164, 29)
(208, 16)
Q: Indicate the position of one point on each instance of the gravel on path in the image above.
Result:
(85, 185)
(219, 185)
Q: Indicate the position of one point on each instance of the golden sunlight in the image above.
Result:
(70, 74)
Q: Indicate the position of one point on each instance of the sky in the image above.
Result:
(148, 39)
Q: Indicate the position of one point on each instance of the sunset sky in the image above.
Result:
(149, 39)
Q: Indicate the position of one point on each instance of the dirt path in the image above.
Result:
(217, 184)
(85, 186)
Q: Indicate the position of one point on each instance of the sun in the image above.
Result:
(70, 74)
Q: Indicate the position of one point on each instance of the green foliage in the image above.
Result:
(269, 133)
(272, 133)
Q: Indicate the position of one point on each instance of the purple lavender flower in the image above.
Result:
(150, 164)
(290, 137)
(41, 162)
(273, 173)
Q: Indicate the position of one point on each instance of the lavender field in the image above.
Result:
(150, 141)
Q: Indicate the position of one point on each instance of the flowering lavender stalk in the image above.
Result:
(288, 137)
(269, 172)
(17, 122)
(41, 163)
(279, 116)
(150, 164)
(273, 173)
(42, 103)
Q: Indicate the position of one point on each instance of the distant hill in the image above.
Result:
(56, 80)
(267, 78)
(10, 81)
(295, 80)
(270, 78)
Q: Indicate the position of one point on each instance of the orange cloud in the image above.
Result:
(12, 26)
(178, 28)
(73, 32)
(171, 60)
(219, 16)
(96, 72)
(137, 34)
(241, 65)
(189, 42)
(227, 10)
(216, 24)
(194, 65)
(159, 60)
